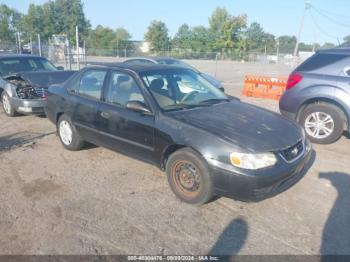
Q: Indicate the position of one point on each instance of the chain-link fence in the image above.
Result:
(73, 58)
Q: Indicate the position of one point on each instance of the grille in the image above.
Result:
(293, 152)
(41, 92)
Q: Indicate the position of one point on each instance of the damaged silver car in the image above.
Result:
(24, 82)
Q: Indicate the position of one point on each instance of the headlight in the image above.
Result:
(252, 161)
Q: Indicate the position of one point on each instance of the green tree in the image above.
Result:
(32, 23)
(69, 14)
(157, 36)
(200, 39)
(217, 21)
(258, 39)
(232, 40)
(123, 39)
(255, 37)
(183, 37)
(287, 44)
(57, 17)
(327, 45)
(226, 31)
(10, 22)
(102, 38)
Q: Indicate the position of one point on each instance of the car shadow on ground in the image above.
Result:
(336, 233)
(20, 139)
(231, 240)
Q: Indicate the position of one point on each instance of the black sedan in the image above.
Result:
(208, 143)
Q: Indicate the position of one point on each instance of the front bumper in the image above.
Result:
(257, 185)
(29, 106)
(289, 115)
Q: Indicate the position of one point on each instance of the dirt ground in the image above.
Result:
(97, 201)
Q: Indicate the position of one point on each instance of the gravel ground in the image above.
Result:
(97, 201)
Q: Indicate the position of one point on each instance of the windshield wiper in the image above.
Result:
(212, 101)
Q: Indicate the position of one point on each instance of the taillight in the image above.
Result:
(293, 80)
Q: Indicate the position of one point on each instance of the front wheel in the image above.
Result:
(6, 105)
(323, 123)
(68, 135)
(188, 177)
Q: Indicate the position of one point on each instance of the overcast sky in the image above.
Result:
(330, 21)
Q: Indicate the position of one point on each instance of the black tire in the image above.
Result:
(11, 112)
(334, 112)
(187, 160)
(76, 142)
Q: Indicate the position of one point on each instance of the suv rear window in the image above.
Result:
(320, 60)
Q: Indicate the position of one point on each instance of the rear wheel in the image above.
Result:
(69, 136)
(188, 177)
(323, 123)
(6, 105)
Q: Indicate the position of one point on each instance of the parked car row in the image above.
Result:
(209, 144)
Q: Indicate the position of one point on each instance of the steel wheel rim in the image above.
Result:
(66, 133)
(6, 103)
(319, 125)
(186, 178)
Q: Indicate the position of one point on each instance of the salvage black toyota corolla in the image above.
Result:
(208, 143)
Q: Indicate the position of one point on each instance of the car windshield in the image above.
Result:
(11, 66)
(176, 89)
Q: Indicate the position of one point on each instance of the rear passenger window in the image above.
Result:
(320, 60)
(91, 83)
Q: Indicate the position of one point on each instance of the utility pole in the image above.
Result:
(307, 7)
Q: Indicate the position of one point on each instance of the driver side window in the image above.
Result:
(123, 89)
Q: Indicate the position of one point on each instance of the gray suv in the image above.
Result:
(318, 95)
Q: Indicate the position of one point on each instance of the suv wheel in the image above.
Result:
(6, 105)
(323, 123)
(188, 177)
(69, 136)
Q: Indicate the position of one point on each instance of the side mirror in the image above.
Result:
(222, 89)
(138, 107)
(60, 68)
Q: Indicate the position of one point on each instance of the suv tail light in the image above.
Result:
(293, 80)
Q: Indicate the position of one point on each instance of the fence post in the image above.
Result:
(19, 43)
(39, 45)
(69, 57)
(77, 45)
(216, 64)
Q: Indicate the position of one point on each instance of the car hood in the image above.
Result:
(44, 79)
(249, 127)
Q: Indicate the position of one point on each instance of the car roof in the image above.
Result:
(19, 56)
(339, 50)
(138, 68)
(152, 58)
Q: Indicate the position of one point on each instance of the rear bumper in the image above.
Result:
(261, 184)
(29, 106)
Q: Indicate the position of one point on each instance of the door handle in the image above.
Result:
(105, 115)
